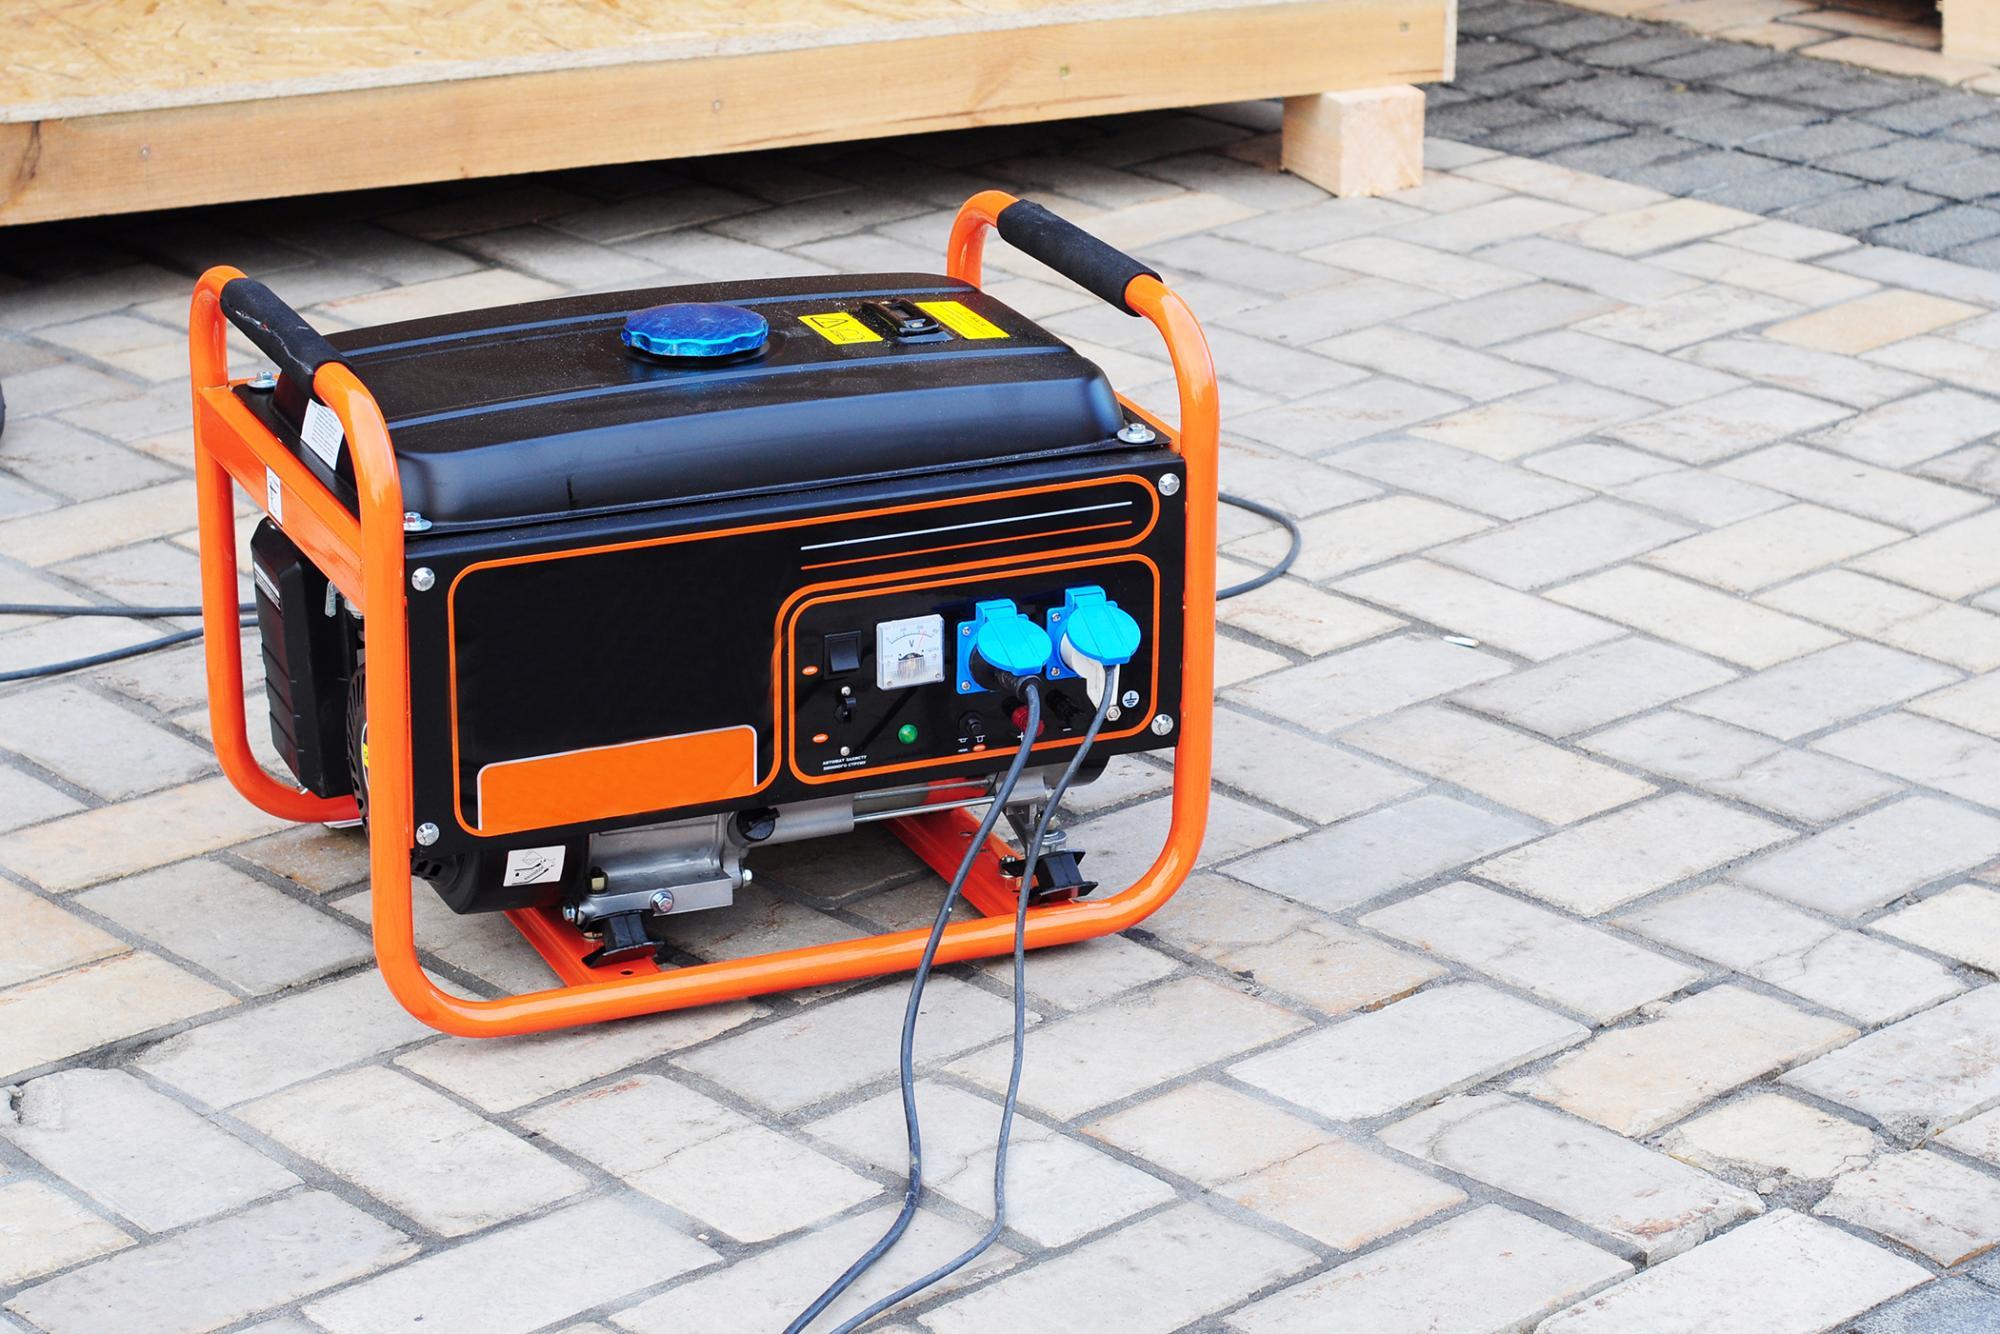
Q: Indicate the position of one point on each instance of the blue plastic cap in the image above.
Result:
(694, 329)
(1098, 628)
(1009, 641)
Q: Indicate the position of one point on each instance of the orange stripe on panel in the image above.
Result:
(605, 782)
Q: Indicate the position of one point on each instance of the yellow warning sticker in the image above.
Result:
(837, 326)
(962, 320)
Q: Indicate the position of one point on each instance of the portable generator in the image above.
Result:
(579, 603)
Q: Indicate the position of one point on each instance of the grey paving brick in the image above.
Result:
(1980, 254)
(1845, 971)
(1982, 130)
(1862, 208)
(1534, 138)
(1519, 76)
(220, 1272)
(1601, 93)
(1158, 1275)
(1572, 30)
(1782, 1271)
(1622, 157)
(1821, 689)
(1811, 143)
(1481, 1267)
(1942, 230)
(1769, 191)
(1855, 867)
(1937, 111)
(1596, 686)
(1388, 848)
(1738, 126)
(137, 1151)
(519, 1278)
(1898, 158)
(1654, 1206)
(1413, 1052)
(1852, 90)
(1475, 120)
(1920, 1076)
(1642, 48)
(1946, 1304)
(1712, 61)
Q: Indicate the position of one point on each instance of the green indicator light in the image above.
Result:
(907, 734)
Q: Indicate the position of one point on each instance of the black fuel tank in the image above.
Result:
(538, 411)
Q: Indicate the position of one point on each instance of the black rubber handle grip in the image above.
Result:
(279, 332)
(1097, 267)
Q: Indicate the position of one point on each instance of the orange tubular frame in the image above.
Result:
(365, 561)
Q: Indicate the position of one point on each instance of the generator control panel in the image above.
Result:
(889, 680)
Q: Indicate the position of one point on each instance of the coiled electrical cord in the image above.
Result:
(1297, 542)
(914, 1189)
(183, 636)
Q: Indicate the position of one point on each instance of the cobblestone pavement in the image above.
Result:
(1902, 162)
(1599, 920)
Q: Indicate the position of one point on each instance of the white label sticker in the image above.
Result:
(274, 497)
(533, 866)
(321, 432)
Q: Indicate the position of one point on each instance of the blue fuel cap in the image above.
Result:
(694, 329)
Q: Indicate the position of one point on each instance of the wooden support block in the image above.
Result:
(1972, 29)
(1366, 142)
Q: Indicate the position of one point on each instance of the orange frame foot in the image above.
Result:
(564, 948)
(940, 837)
(364, 558)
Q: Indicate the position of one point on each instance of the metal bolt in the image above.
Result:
(1137, 433)
(1162, 724)
(414, 522)
(423, 579)
(427, 833)
(663, 900)
(264, 380)
(745, 875)
(1170, 484)
(570, 913)
(1130, 699)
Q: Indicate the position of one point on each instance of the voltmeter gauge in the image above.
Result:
(909, 652)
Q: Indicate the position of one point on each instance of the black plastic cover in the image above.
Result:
(304, 682)
(537, 411)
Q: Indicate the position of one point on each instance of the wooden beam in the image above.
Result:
(176, 156)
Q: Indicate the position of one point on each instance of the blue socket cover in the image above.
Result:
(1008, 641)
(694, 329)
(1098, 628)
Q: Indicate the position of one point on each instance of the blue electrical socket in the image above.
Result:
(966, 637)
(1080, 595)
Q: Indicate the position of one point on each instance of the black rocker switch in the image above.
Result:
(843, 653)
(902, 318)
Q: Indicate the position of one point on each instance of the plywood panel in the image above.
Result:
(437, 128)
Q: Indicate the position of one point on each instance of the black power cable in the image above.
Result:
(1283, 520)
(109, 655)
(1033, 854)
(914, 1190)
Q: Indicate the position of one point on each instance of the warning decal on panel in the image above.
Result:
(962, 320)
(837, 326)
(321, 432)
(533, 866)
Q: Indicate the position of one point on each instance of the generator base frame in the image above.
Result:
(364, 558)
